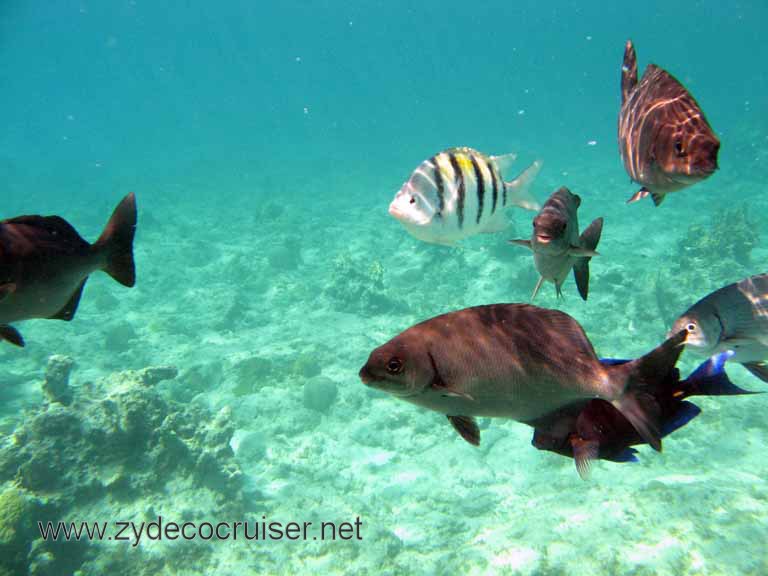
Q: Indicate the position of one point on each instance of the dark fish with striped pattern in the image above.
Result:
(556, 244)
(515, 361)
(461, 192)
(665, 141)
(44, 265)
(594, 429)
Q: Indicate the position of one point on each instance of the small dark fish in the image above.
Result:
(591, 430)
(44, 265)
(734, 318)
(514, 361)
(665, 141)
(556, 244)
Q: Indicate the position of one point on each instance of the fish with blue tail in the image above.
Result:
(515, 361)
(45, 263)
(557, 246)
(592, 430)
(665, 141)
(733, 318)
(461, 192)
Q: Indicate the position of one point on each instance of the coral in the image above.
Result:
(358, 284)
(118, 335)
(16, 512)
(253, 373)
(305, 365)
(120, 437)
(320, 393)
(56, 384)
(706, 258)
(729, 237)
(286, 255)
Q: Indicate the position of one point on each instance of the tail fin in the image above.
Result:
(628, 71)
(685, 412)
(710, 379)
(517, 190)
(116, 242)
(640, 377)
(588, 240)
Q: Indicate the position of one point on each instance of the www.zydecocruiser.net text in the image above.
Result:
(161, 529)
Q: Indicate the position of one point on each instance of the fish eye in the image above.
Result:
(394, 365)
(412, 200)
(691, 327)
(679, 150)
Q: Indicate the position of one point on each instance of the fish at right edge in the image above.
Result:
(734, 318)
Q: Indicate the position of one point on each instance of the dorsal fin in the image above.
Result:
(628, 71)
(53, 225)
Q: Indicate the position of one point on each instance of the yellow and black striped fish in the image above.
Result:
(458, 193)
(665, 141)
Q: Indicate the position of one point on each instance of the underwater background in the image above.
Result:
(264, 142)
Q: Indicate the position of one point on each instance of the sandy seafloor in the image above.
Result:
(311, 296)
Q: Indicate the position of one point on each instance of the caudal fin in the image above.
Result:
(116, 242)
(517, 191)
(640, 378)
(588, 240)
(710, 379)
(628, 71)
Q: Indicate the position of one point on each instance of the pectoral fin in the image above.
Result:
(525, 243)
(442, 386)
(9, 333)
(584, 452)
(467, 428)
(639, 195)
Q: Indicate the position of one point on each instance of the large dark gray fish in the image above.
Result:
(514, 361)
(665, 141)
(556, 244)
(44, 264)
(594, 429)
(735, 318)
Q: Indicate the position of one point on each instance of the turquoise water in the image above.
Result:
(264, 144)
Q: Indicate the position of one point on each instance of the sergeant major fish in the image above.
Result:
(735, 317)
(556, 244)
(458, 193)
(44, 265)
(665, 141)
(594, 429)
(514, 361)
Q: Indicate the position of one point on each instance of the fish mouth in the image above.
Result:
(394, 211)
(366, 376)
(544, 238)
